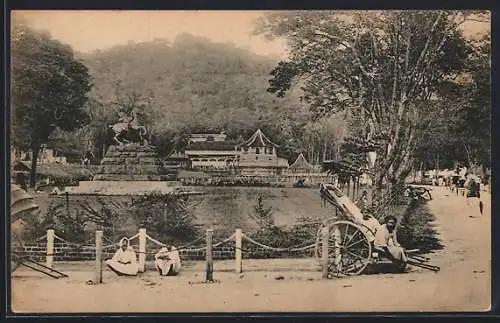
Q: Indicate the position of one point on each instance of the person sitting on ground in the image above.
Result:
(386, 242)
(168, 261)
(124, 261)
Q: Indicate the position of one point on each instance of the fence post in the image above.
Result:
(357, 187)
(98, 257)
(142, 250)
(50, 248)
(237, 252)
(324, 251)
(210, 265)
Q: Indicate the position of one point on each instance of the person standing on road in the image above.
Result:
(474, 190)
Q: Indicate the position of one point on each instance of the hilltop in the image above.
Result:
(191, 82)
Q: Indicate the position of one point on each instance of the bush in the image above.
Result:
(417, 230)
(300, 234)
(166, 217)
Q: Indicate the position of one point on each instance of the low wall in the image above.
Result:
(71, 252)
(123, 187)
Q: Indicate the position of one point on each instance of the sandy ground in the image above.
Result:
(286, 285)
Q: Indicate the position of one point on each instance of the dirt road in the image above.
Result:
(287, 285)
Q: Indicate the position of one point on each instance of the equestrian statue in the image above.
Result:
(129, 124)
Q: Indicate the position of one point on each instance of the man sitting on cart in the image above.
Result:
(387, 244)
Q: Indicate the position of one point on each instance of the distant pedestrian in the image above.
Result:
(474, 190)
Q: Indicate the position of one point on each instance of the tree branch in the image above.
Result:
(348, 46)
(423, 53)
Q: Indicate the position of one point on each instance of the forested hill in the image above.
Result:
(195, 83)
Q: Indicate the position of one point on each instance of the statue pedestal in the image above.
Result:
(130, 162)
(130, 169)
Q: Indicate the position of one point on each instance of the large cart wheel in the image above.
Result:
(349, 250)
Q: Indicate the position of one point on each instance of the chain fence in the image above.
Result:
(65, 250)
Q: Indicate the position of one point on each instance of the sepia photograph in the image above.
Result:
(250, 161)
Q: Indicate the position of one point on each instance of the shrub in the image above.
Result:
(416, 229)
(167, 217)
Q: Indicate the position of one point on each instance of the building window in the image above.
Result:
(245, 150)
(256, 157)
(257, 151)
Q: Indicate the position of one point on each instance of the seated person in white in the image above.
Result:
(386, 242)
(168, 261)
(124, 262)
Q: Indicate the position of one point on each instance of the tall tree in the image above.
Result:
(380, 68)
(474, 126)
(460, 128)
(49, 90)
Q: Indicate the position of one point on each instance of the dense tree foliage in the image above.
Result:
(383, 70)
(49, 90)
(460, 130)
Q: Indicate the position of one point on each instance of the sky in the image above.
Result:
(86, 31)
(89, 30)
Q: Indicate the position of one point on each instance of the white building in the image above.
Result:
(255, 156)
(205, 155)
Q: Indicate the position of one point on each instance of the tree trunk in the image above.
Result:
(377, 194)
(34, 161)
(325, 146)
